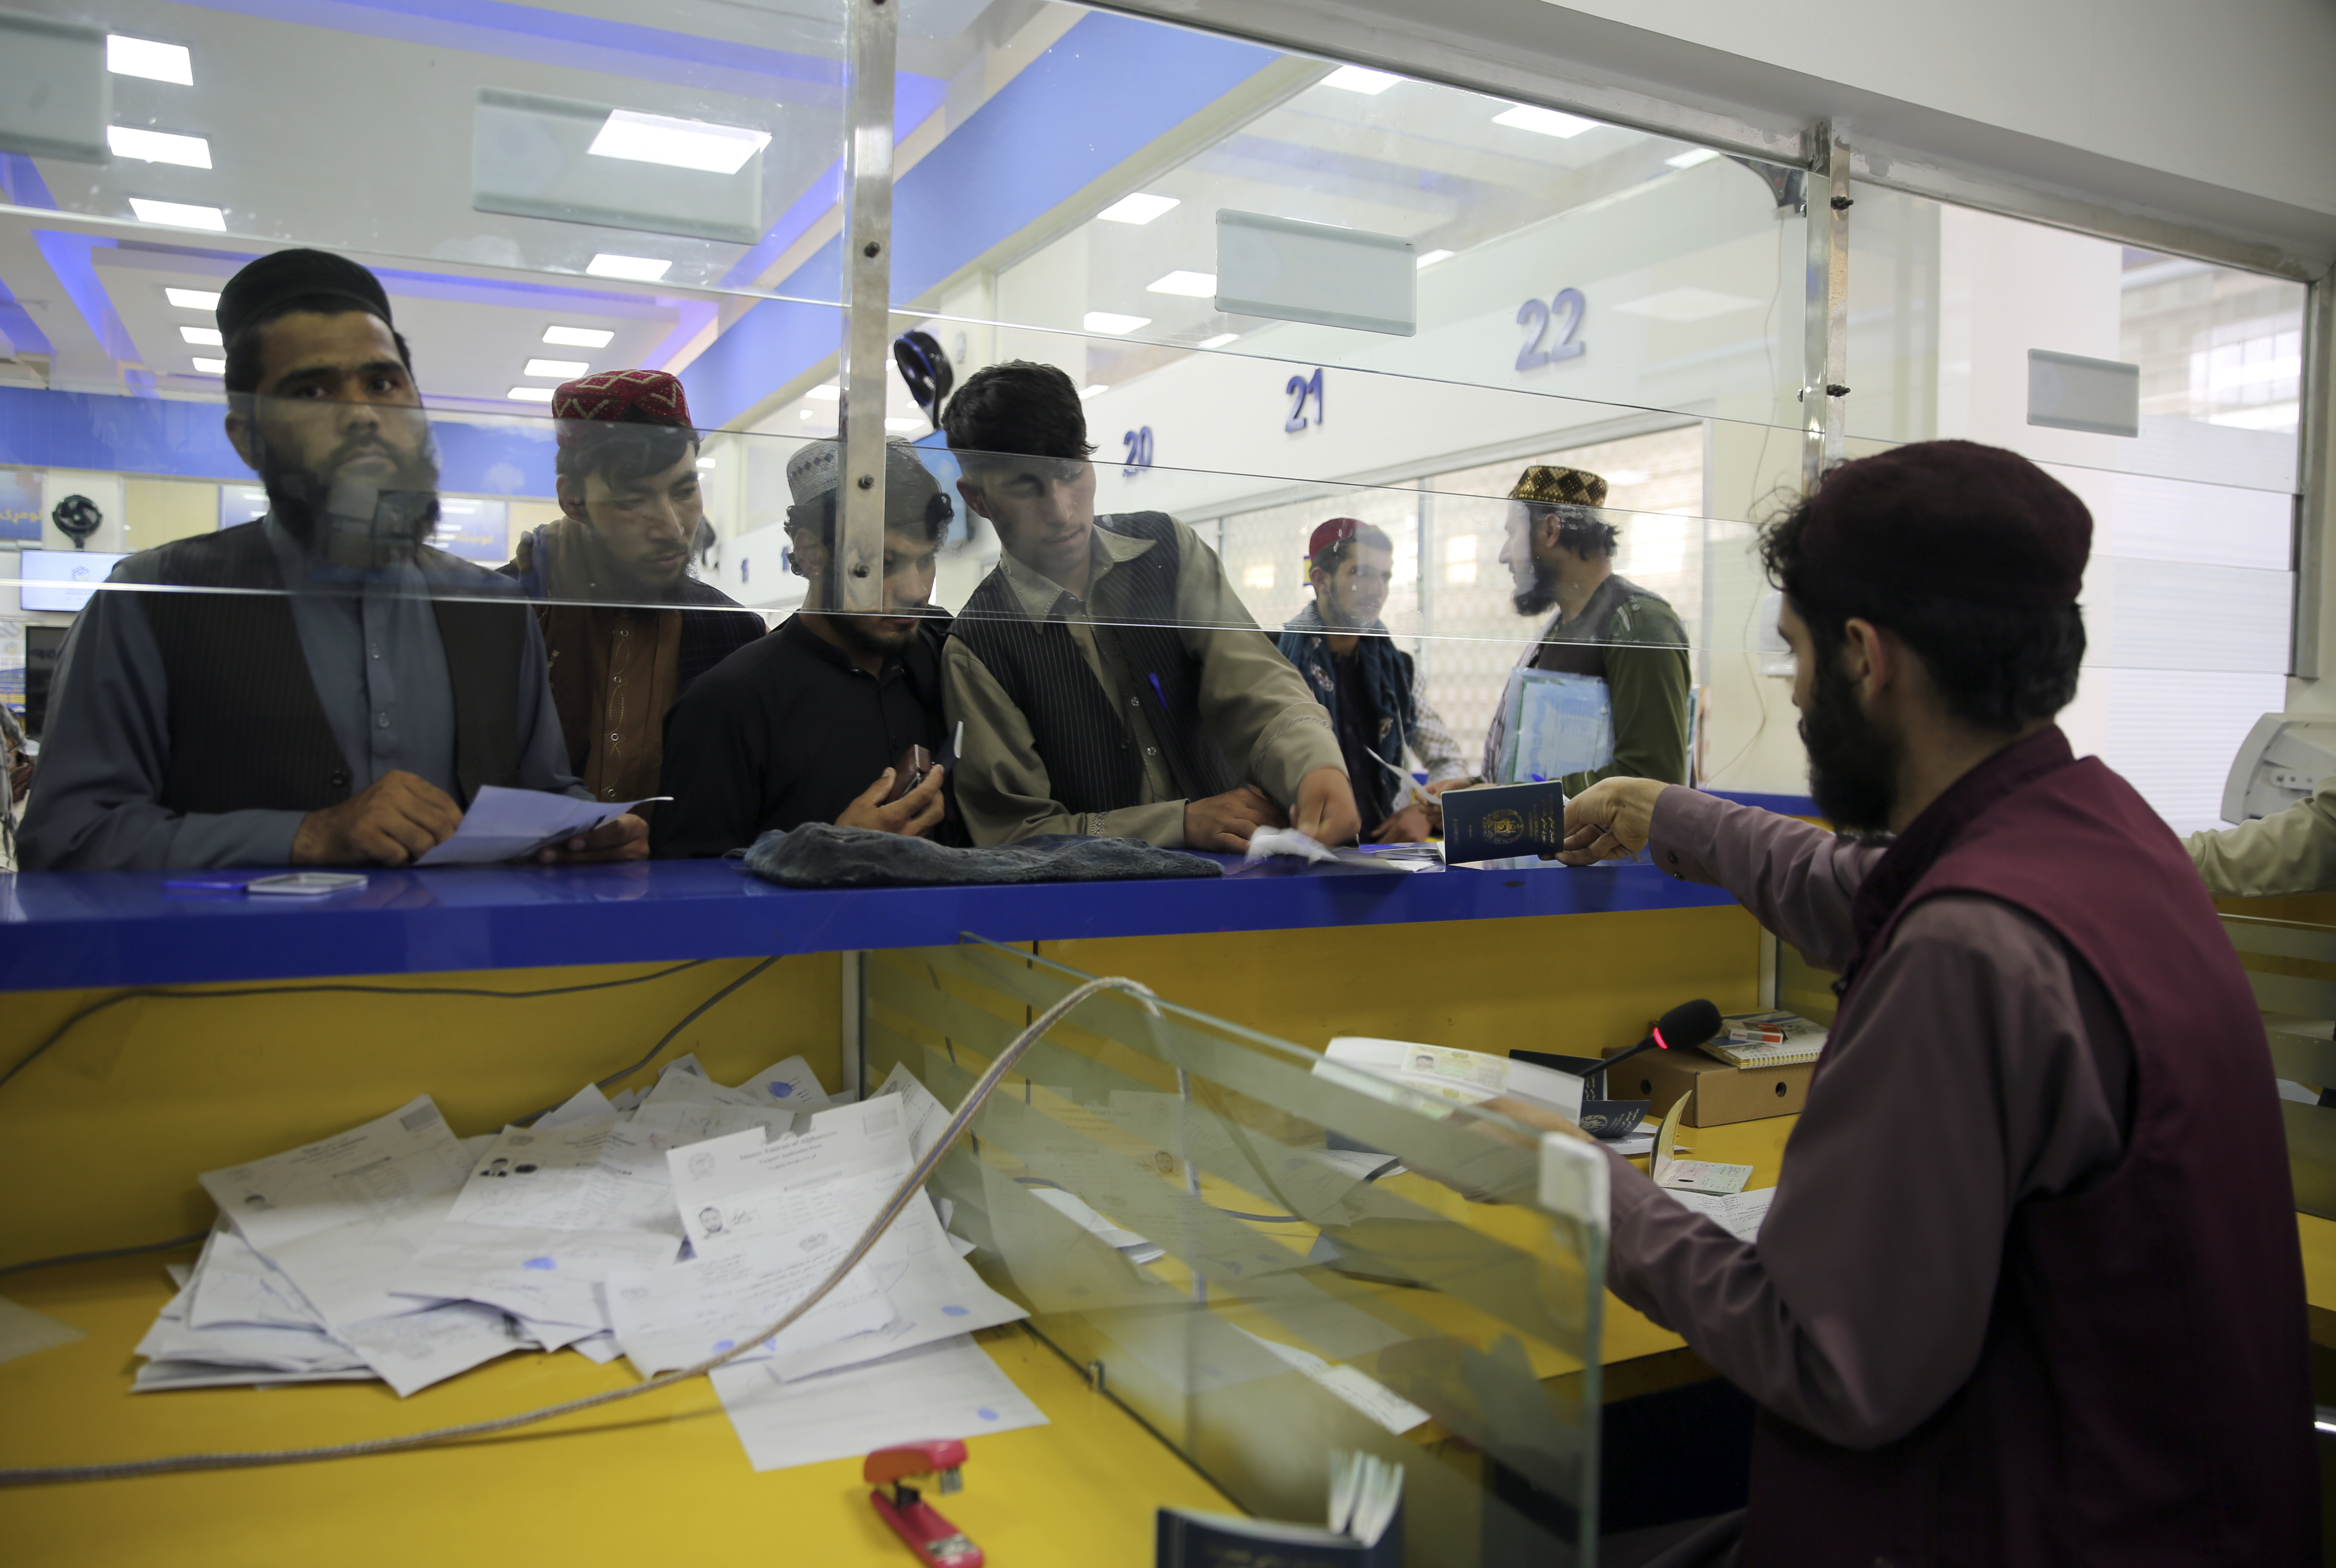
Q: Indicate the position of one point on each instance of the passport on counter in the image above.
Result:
(1494, 822)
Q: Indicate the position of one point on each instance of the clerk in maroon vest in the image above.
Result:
(1109, 680)
(626, 627)
(2029, 1291)
(346, 715)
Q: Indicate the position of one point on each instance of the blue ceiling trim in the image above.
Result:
(68, 256)
(23, 332)
(1110, 87)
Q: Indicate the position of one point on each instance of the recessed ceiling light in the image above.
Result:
(209, 366)
(1219, 340)
(1139, 208)
(178, 214)
(904, 425)
(813, 413)
(202, 336)
(577, 336)
(144, 57)
(1094, 388)
(191, 298)
(633, 268)
(1192, 284)
(530, 394)
(1112, 323)
(158, 147)
(558, 369)
(1691, 157)
(1432, 257)
(678, 143)
(1543, 122)
(704, 463)
(826, 392)
(1688, 305)
(1355, 79)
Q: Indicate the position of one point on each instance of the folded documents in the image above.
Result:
(1493, 821)
(504, 824)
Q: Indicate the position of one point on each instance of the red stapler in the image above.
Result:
(932, 1538)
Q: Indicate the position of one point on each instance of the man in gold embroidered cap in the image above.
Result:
(1612, 652)
(626, 627)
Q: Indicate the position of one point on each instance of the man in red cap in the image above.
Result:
(2029, 1291)
(1371, 688)
(627, 628)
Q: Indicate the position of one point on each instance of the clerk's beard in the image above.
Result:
(1853, 762)
(353, 525)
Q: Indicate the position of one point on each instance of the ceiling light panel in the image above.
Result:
(144, 57)
(633, 268)
(158, 147)
(530, 394)
(578, 336)
(178, 214)
(191, 298)
(1355, 79)
(1112, 324)
(1432, 257)
(209, 366)
(558, 369)
(202, 336)
(1192, 284)
(1140, 208)
(698, 144)
(1543, 122)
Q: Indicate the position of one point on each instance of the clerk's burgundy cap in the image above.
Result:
(1954, 519)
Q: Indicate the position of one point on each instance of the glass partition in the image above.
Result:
(1267, 1259)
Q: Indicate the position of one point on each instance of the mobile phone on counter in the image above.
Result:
(306, 884)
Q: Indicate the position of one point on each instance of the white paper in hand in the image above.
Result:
(505, 823)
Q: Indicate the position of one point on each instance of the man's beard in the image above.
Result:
(354, 525)
(1536, 597)
(867, 633)
(1853, 762)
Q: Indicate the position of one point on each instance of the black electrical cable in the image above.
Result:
(171, 1245)
(156, 993)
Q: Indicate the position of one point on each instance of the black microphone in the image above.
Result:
(1684, 1027)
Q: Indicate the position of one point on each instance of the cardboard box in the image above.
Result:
(1723, 1094)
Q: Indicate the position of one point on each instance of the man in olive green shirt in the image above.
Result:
(1109, 680)
(2288, 851)
(1561, 551)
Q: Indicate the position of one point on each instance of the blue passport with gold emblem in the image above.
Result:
(1493, 821)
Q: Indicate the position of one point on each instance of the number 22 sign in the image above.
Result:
(1566, 311)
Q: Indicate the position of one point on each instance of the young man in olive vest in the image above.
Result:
(1109, 680)
(346, 712)
(2029, 1292)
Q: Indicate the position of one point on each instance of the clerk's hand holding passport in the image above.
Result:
(1610, 821)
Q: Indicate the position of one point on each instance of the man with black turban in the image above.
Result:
(347, 711)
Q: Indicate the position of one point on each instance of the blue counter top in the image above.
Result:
(98, 929)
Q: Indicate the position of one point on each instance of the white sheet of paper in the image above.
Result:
(586, 1105)
(603, 1175)
(162, 1377)
(505, 823)
(677, 1316)
(418, 1349)
(345, 1272)
(345, 1178)
(24, 1331)
(233, 1285)
(730, 1190)
(545, 1276)
(1739, 1214)
(242, 1344)
(597, 1348)
(788, 1083)
(952, 1390)
(1356, 1387)
(688, 1109)
(926, 1115)
(934, 1294)
(1076, 1210)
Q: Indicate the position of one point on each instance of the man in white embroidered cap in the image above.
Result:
(825, 719)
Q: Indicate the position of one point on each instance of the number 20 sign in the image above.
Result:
(1565, 310)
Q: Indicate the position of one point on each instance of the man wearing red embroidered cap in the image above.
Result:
(2028, 1292)
(625, 626)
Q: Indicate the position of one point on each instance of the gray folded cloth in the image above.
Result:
(818, 855)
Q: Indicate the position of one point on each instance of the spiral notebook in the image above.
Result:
(1774, 1039)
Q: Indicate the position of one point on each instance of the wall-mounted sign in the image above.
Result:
(1563, 312)
(1139, 450)
(19, 503)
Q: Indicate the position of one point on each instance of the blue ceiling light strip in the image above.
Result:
(549, 37)
(1109, 87)
(23, 332)
(68, 256)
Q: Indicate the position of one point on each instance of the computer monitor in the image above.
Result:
(43, 644)
(63, 580)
